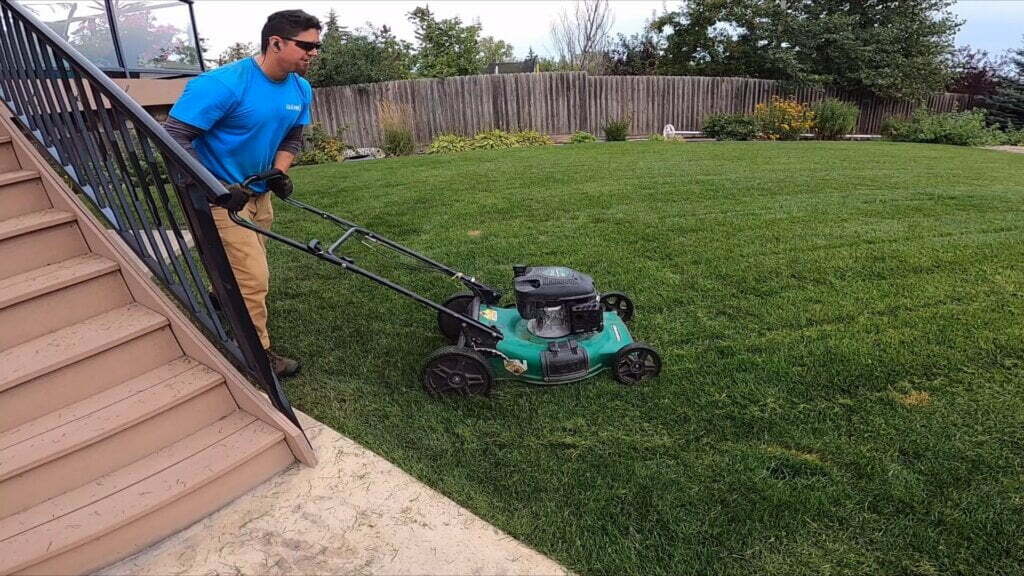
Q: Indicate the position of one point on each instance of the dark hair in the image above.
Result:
(286, 24)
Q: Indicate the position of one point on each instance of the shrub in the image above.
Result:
(655, 138)
(1013, 137)
(449, 143)
(493, 140)
(783, 119)
(617, 130)
(528, 138)
(731, 127)
(956, 128)
(396, 124)
(582, 137)
(321, 147)
(834, 118)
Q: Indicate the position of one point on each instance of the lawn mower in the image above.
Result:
(560, 329)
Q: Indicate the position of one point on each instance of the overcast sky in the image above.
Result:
(993, 25)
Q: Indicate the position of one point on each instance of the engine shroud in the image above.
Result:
(557, 301)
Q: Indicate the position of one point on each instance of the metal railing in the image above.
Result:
(120, 159)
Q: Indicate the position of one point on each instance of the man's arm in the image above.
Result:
(289, 149)
(183, 134)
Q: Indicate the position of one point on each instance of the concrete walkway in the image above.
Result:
(355, 513)
(1017, 149)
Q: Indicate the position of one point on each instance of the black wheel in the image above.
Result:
(457, 371)
(450, 327)
(636, 363)
(619, 303)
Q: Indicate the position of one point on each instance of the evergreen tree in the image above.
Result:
(1006, 106)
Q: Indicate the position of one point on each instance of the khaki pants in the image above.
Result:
(247, 254)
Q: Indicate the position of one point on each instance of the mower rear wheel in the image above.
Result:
(635, 363)
(619, 303)
(457, 371)
(450, 327)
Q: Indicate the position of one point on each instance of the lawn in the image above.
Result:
(841, 325)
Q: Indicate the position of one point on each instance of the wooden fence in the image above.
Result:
(560, 103)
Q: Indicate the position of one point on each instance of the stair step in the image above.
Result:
(51, 278)
(43, 247)
(120, 479)
(73, 304)
(15, 176)
(67, 345)
(63, 387)
(105, 422)
(164, 489)
(8, 157)
(21, 192)
(13, 227)
(97, 402)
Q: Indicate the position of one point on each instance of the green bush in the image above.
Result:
(528, 138)
(955, 128)
(398, 141)
(493, 140)
(655, 138)
(834, 118)
(731, 127)
(582, 137)
(321, 147)
(396, 126)
(1013, 137)
(617, 130)
(449, 144)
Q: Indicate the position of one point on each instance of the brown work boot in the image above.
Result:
(282, 365)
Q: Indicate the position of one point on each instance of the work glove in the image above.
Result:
(235, 199)
(279, 183)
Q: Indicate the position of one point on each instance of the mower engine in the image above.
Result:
(557, 301)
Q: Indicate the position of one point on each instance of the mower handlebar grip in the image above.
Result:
(272, 173)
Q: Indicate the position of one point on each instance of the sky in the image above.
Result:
(991, 25)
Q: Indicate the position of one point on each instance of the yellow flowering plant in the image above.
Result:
(783, 119)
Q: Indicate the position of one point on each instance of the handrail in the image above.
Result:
(121, 158)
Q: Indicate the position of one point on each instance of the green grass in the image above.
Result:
(842, 328)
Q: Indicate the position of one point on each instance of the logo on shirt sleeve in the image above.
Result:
(293, 107)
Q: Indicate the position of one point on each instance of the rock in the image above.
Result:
(363, 153)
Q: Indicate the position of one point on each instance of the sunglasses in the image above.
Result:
(307, 46)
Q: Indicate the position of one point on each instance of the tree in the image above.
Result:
(636, 55)
(495, 51)
(974, 72)
(237, 51)
(1016, 62)
(890, 49)
(360, 57)
(1006, 106)
(581, 39)
(364, 56)
(445, 47)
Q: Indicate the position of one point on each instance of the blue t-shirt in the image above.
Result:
(245, 116)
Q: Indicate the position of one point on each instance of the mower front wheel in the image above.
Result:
(450, 327)
(457, 371)
(635, 363)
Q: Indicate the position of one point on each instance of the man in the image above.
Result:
(244, 119)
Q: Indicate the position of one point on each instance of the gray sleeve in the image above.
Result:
(292, 141)
(183, 134)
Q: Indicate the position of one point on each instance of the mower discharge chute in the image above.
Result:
(560, 330)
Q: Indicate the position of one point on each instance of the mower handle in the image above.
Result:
(262, 177)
